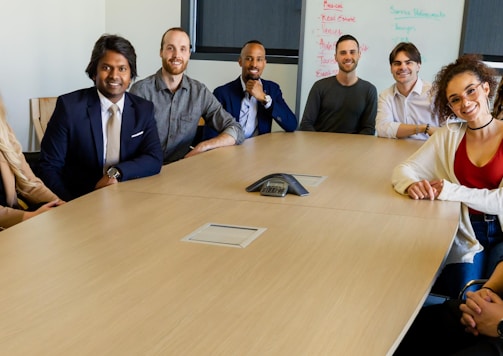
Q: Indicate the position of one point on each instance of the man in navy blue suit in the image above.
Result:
(76, 151)
(253, 101)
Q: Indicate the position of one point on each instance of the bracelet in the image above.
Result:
(492, 290)
(427, 128)
(417, 129)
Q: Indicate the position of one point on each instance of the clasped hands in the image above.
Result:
(482, 312)
(425, 189)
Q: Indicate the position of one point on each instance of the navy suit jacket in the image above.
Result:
(231, 94)
(71, 157)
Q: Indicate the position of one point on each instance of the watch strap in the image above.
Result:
(268, 100)
(500, 329)
(113, 173)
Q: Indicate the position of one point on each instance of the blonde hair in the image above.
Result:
(10, 147)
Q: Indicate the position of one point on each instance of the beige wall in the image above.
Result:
(44, 50)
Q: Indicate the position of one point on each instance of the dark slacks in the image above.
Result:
(437, 330)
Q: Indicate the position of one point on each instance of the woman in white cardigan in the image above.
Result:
(18, 181)
(463, 161)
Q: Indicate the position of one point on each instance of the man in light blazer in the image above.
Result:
(253, 101)
(74, 148)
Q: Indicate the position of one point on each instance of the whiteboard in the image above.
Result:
(434, 26)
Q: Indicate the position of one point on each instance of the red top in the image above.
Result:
(488, 176)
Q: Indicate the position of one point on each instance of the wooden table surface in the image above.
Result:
(358, 170)
(108, 273)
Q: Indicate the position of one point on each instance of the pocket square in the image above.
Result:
(137, 134)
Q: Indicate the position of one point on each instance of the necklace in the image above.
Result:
(481, 127)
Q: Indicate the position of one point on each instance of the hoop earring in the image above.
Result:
(488, 106)
(453, 123)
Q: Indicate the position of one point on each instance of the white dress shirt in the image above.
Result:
(394, 109)
(105, 115)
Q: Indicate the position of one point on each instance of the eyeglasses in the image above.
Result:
(469, 94)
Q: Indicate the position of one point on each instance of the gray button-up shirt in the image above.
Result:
(177, 115)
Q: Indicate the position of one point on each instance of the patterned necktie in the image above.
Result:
(113, 137)
(244, 119)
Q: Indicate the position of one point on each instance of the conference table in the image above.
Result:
(342, 271)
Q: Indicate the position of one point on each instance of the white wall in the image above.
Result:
(144, 25)
(46, 45)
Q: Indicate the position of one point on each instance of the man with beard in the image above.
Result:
(181, 101)
(101, 135)
(342, 103)
(405, 108)
(253, 101)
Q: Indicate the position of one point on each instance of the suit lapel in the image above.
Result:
(260, 107)
(237, 98)
(94, 116)
(128, 122)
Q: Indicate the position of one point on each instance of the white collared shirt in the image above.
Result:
(249, 103)
(250, 128)
(105, 104)
(394, 109)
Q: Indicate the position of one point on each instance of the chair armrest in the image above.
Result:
(473, 282)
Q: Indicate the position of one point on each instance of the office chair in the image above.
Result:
(41, 110)
(434, 298)
(199, 133)
(473, 282)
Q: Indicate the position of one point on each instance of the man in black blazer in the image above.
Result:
(74, 148)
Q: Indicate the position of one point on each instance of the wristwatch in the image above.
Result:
(267, 100)
(500, 329)
(113, 172)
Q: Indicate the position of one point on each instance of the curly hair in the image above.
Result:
(498, 102)
(467, 63)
